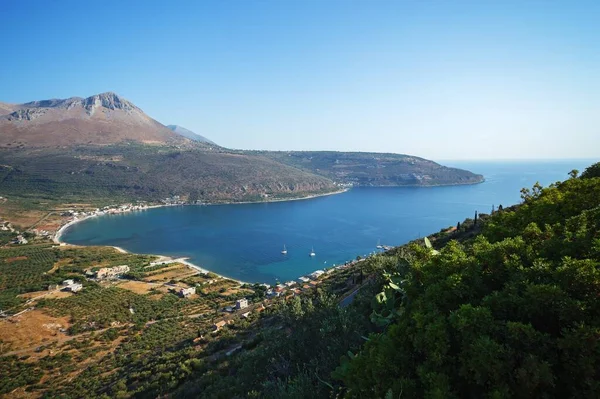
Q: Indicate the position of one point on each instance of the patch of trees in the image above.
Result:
(513, 312)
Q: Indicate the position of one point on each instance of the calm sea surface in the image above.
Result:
(245, 241)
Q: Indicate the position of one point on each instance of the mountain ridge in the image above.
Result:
(373, 168)
(189, 134)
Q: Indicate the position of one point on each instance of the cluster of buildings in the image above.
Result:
(42, 233)
(107, 210)
(174, 200)
(296, 287)
(111, 272)
(239, 304)
(287, 290)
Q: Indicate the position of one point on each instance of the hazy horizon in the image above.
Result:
(440, 80)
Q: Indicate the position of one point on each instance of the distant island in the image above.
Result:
(104, 148)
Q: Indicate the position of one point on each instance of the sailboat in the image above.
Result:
(284, 251)
(312, 252)
(379, 244)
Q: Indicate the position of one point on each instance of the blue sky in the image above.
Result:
(438, 79)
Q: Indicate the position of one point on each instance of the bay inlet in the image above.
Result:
(245, 241)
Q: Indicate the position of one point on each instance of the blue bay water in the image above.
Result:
(244, 241)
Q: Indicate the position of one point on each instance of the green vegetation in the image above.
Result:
(505, 306)
(28, 268)
(16, 373)
(100, 307)
(118, 173)
(22, 269)
(511, 313)
(100, 175)
(373, 169)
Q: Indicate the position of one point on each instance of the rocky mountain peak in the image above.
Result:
(104, 118)
(108, 100)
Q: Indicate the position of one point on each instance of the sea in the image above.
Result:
(244, 241)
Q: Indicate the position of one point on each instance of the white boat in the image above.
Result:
(312, 252)
(284, 251)
(379, 244)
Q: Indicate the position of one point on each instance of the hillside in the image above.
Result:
(189, 134)
(150, 172)
(6, 108)
(374, 169)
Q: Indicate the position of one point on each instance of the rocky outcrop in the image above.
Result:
(27, 114)
(107, 100)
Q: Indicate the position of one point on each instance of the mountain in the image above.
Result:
(6, 108)
(100, 119)
(104, 148)
(189, 134)
(374, 169)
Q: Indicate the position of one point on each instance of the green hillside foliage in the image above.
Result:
(505, 306)
(146, 172)
(373, 169)
(511, 313)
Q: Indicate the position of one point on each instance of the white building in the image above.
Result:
(68, 282)
(316, 274)
(185, 292)
(241, 303)
(75, 287)
(21, 240)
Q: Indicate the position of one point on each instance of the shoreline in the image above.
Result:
(184, 260)
(271, 200)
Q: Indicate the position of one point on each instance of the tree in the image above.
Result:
(573, 174)
(591, 171)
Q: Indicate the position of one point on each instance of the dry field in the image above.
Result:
(19, 217)
(14, 259)
(46, 294)
(57, 265)
(175, 272)
(139, 287)
(31, 329)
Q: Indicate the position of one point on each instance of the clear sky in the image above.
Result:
(439, 79)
